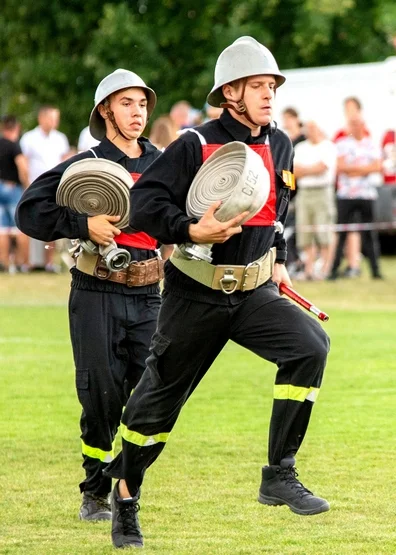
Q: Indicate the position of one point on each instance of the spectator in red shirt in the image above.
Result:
(352, 109)
(389, 157)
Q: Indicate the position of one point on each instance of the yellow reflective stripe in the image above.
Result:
(96, 453)
(140, 439)
(295, 393)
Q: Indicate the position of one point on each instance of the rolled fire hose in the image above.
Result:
(234, 174)
(96, 186)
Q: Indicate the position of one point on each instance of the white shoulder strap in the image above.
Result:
(200, 137)
(93, 152)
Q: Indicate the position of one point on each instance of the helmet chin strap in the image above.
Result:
(240, 107)
(110, 115)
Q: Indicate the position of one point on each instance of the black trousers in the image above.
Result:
(189, 337)
(110, 335)
(352, 211)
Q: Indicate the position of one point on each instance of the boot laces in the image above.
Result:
(128, 518)
(289, 475)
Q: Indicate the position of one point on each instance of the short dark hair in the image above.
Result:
(9, 122)
(291, 112)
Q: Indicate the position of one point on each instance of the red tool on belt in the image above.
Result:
(285, 290)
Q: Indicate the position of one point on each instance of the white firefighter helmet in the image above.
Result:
(116, 81)
(243, 58)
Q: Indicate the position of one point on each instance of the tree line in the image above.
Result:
(56, 52)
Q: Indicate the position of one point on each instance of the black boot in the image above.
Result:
(95, 507)
(280, 486)
(125, 530)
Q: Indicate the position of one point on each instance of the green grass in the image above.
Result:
(200, 496)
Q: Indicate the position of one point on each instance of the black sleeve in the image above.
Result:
(287, 164)
(16, 150)
(38, 215)
(158, 199)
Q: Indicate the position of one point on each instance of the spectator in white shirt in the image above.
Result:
(315, 164)
(44, 147)
(85, 140)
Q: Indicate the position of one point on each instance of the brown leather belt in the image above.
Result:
(137, 274)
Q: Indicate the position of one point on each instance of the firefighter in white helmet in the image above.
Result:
(244, 58)
(235, 296)
(112, 314)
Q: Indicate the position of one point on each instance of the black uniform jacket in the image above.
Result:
(158, 203)
(38, 215)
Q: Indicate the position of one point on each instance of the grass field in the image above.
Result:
(200, 497)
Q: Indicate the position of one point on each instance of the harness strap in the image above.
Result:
(199, 135)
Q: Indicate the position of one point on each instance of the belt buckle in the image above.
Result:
(245, 274)
(228, 283)
(101, 271)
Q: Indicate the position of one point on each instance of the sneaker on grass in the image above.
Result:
(125, 530)
(95, 507)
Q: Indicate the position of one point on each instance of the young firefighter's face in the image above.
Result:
(129, 107)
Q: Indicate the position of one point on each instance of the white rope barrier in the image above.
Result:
(343, 227)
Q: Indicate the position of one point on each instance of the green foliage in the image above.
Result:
(56, 52)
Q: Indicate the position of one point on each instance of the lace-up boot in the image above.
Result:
(280, 486)
(95, 507)
(125, 531)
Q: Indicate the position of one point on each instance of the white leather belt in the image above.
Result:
(227, 278)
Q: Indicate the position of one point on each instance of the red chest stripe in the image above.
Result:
(138, 240)
(267, 214)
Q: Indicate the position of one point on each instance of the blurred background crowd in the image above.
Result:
(337, 179)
